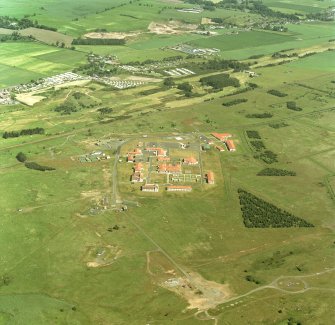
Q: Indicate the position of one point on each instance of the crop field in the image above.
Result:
(22, 62)
(303, 6)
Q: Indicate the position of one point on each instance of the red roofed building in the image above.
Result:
(159, 152)
(130, 158)
(178, 188)
(190, 161)
(169, 169)
(138, 167)
(222, 136)
(210, 177)
(230, 145)
(131, 155)
(219, 148)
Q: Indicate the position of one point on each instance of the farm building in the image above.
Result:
(219, 148)
(190, 161)
(136, 177)
(159, 152)
(169, 169)
(210, 177)
(130, 158)
(222, 136)
(150, 188)
(230, 145)
(176, 188)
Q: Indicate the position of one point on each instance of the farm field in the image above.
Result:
(81, 241)
(20, 65)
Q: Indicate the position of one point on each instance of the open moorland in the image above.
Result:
(83, 242)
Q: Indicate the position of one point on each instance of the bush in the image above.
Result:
(258, 145)
(253, 135)
(278, 125)
(21, 157)
(276, 172)
(293, 106)
(259, 115)
(277, 93)
(267, 156)
(36, 166)
(235, 102)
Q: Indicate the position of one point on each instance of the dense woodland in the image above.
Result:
(220, 81)
(258, 213)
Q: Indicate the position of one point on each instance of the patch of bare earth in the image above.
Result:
(173, 27)
(110, 35)
(200, 293)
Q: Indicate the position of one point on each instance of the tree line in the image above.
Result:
(16, 23)
(276, 172)
(16, 134)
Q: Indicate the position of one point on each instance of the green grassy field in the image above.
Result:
(50, 213)
(65, 259)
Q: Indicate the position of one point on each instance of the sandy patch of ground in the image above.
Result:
(173, 27)
(29, 99)
(110, 35)
(200, 293)
(91, 194)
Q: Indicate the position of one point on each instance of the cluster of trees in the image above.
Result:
(258, 213)
(277, 55)
(251, 134)
(16, 134)
(258, 145)
(278, 125)
(268, 156)
(75, 103)
(98, 41)
(186, 88)
(220, 81)
(105, 110)
(152, 61)
(259, 115)
(15, 36)
(293, 106)
(251, 278)
(277, 93)
(220, 64)
(36, 166)
(276, 172)
(21, 157)
(16, 23)
(235, 102)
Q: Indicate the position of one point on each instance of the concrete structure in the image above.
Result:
(176, 188)
(230, 145)
(150, 188)
(210, 177)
